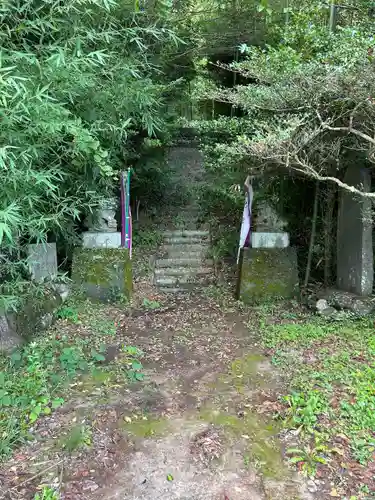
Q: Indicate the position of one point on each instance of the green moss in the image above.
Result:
(145, 428)
(34, 304)
(261, 444)
(104, 273)
(247, 365)
(97, 378)
(244, 372)
(267, 274)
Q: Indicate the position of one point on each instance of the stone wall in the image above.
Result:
(267, 274)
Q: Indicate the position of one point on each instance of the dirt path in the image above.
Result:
(205, 433)
(195, 429)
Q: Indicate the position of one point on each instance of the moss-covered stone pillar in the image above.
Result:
(103, 273)
(267, 274)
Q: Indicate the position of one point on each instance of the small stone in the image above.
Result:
(321, 305)
(90, 486)
(63, 290)
(46, 321)
(328, 312)
(312, 487)
(361, 308)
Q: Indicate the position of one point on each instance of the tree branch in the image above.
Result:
(348, 129)
(311, 172)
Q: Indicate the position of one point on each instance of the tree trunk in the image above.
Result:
(328, 234)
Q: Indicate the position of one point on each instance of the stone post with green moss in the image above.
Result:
(269, 270)
(103, 273)
(267, 274)
(101, 267)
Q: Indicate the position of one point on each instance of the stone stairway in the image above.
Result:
(183, 265)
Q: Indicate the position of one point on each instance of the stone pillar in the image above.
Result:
(42, 260)
(355, 267)
(101, 267)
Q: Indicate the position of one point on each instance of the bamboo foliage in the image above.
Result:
(78, 79)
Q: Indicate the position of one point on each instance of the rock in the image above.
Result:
(9, 338)
(311, 486)
(355, 266)
(42, 261)
(103, 273)
(321, 305)
(346, 301)
(343, 315)
(89, 485)
(267, 274)
(328, 312)
(46, 321)
(35, 315)
(63, 290)
(361, 308)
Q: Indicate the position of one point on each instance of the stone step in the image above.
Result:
(185, 240)
(181, 233)
(173, 290)
(183, 271)
(188, 254)
(174, 281)
(182, 281)
(183, 262)
(186, 248)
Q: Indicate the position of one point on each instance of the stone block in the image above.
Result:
(101, 240)
(42, 261)
(9, 338)
(103, 273)
(34, 316)
(269, 240)
(355, 266)
(267, 274)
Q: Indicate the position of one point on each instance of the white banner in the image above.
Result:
(246, 218)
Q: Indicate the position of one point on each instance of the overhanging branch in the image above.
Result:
(307, 169)
(349, 129)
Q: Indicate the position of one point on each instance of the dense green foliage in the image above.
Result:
(35, 380)
(92, 87)
(82, 87)
(331, 401)
(298, 88)
(298, 108)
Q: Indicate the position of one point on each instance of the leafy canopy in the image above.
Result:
(308, 98)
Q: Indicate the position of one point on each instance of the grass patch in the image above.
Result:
(78, 437)
(36, 380)
(47, 493)
(330, 370)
